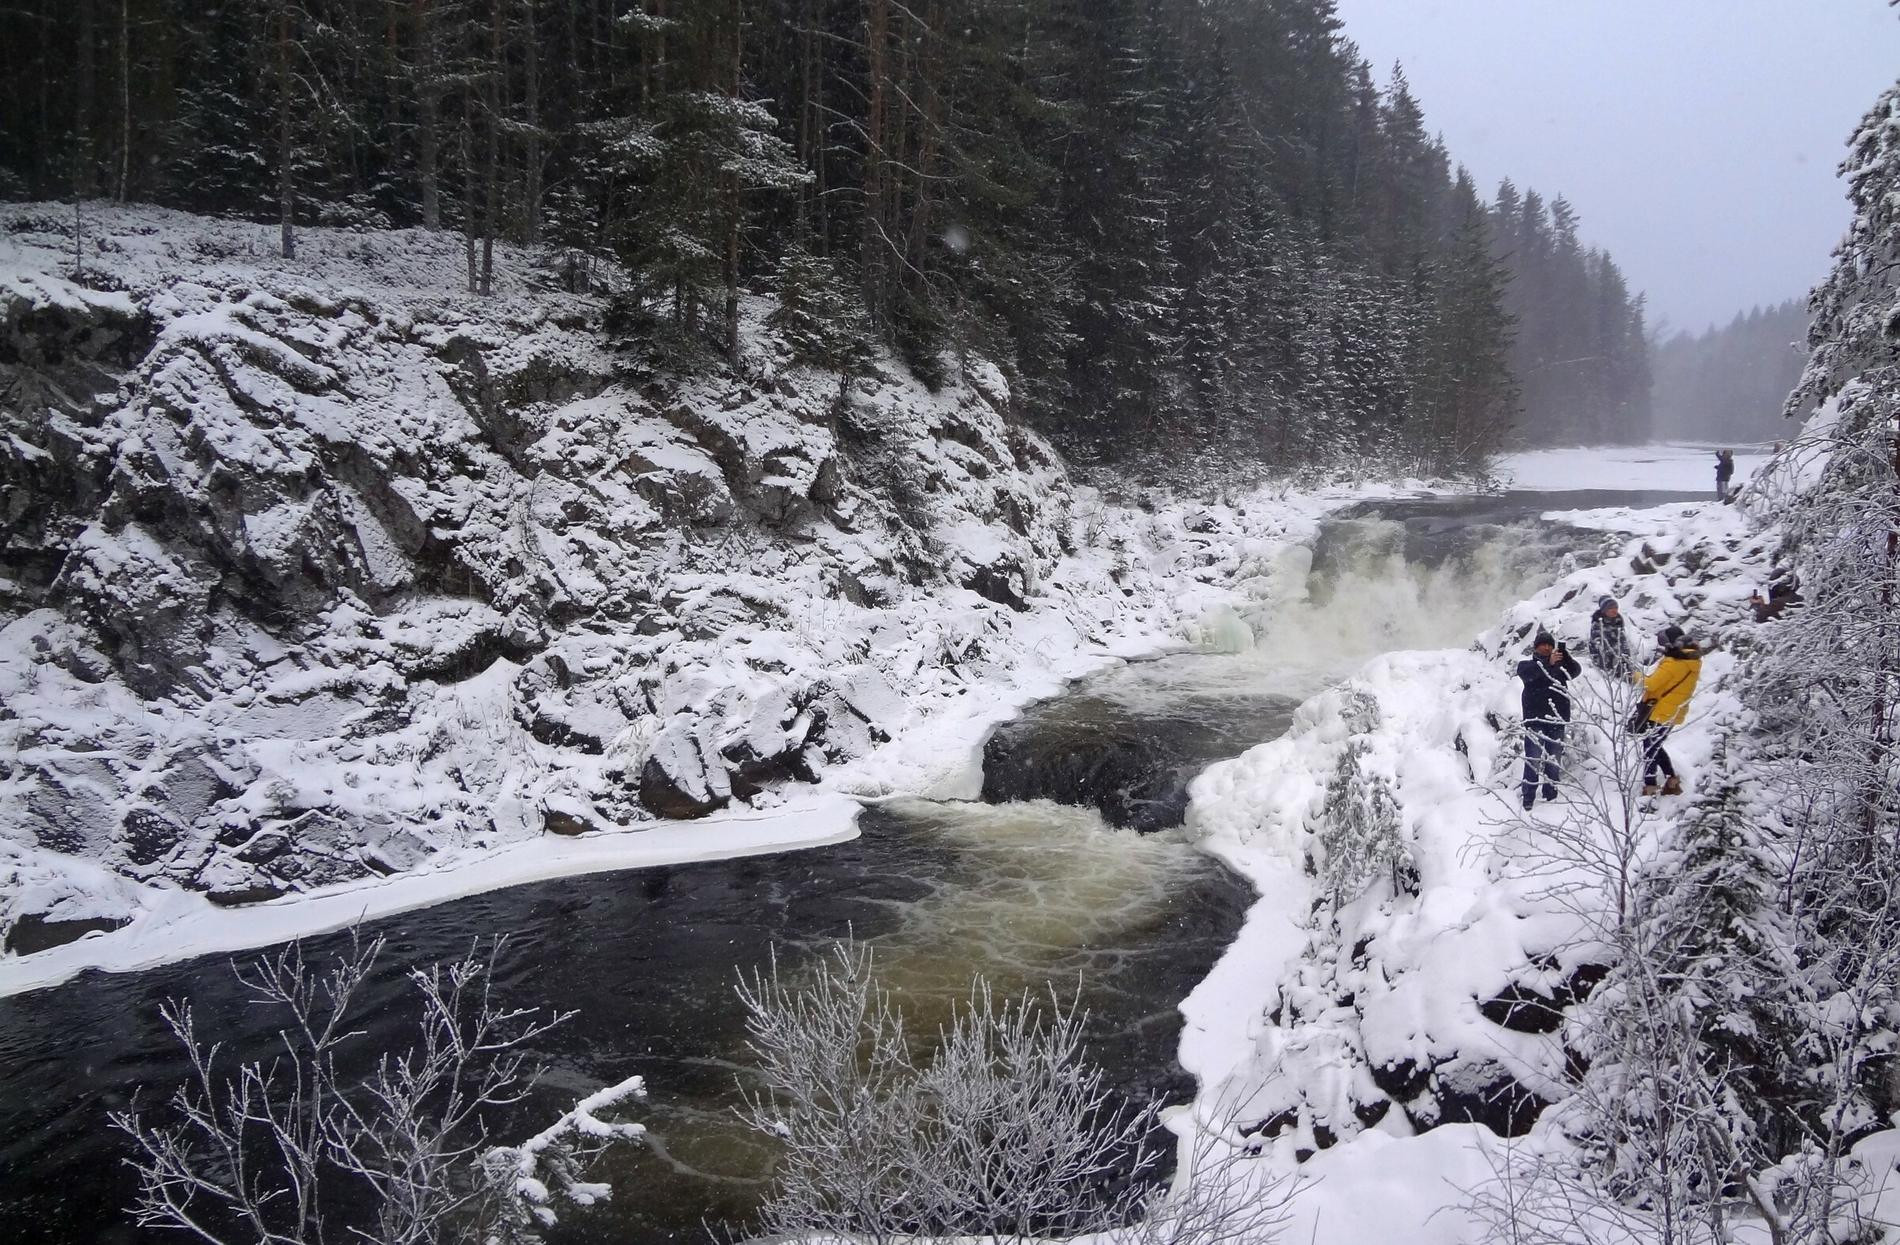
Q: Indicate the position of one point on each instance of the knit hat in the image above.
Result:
(1543, 638)
(1672, 636)
(1606, 602)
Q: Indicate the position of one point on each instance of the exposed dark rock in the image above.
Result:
(1133, 766)
(1273, 1125)
(1400, 1078)
(558, 732)
(750, 774)
(1583, 980)
(1523, 1009)
(1482, 1091)
(1370, 1113)
(558, 821)
(1001, 581)
(1422, 1113)
(239, 895)
(33, 932)
(264, 846)
(148, 835)
(663, 794)
(70, 807)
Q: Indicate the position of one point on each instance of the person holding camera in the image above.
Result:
(1546, 703)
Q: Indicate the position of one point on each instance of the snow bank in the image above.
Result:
(1385, 1039)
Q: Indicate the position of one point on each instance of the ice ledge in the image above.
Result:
(186, 924)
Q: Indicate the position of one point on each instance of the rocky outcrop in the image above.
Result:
(313, 571)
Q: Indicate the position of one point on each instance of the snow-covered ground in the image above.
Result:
(1366, 1039)
(1669, 467)
(1183, 568)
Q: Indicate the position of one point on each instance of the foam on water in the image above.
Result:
(1037, 892)
(1371, 586)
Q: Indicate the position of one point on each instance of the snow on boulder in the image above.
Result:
(683, 777)
(320, 569)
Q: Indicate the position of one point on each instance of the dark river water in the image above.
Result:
(1036, 889)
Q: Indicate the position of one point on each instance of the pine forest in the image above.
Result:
(1208, 229)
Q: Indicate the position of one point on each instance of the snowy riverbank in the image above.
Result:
(332, 592)
(1145, 581)
(1404, 1039)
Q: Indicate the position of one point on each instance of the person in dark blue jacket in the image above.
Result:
(1546, 674)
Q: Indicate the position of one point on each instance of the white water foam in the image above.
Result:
(1369, 598)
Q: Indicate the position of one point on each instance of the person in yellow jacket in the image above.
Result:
(1666, 690)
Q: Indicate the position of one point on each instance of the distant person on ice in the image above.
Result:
(1609, 647)
(1724, 472)
(1666, 693)
(1546, 674)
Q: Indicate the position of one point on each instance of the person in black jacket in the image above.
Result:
(1724, 472)
(1546, 703)
(1609, 646)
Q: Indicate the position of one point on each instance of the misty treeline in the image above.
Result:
(1581, 351)
(1178, 224)
(1729, 383)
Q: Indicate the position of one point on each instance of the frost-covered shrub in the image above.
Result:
(305, 1148)
(1002, 1129)
(1359, 836)
(1359, 710)
(817, 314)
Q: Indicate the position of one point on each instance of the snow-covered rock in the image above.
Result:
(322, 570)
(317, 569)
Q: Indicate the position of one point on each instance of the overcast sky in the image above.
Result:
(1698, 139)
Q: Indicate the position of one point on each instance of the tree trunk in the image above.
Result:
(491, 162)
(469, 213)
(871, 246)
(84, 75)
(392, 85)
(929, 86)
(428, 105)
(286, 192)
(733, 205)
(531, 67)
(125, 98)
(1874, 796)
(807, 113)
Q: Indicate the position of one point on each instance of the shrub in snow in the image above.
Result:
(295, 1151)
(1000, 1129)
(1359, 837)
(818, 315)
(1359, 710)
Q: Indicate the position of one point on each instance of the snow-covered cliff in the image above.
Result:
(316, 570)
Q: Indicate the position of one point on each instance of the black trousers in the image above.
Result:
(1654, 757)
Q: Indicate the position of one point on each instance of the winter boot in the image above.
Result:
(1672, 785)
(1649, 788)
(1550, 792)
